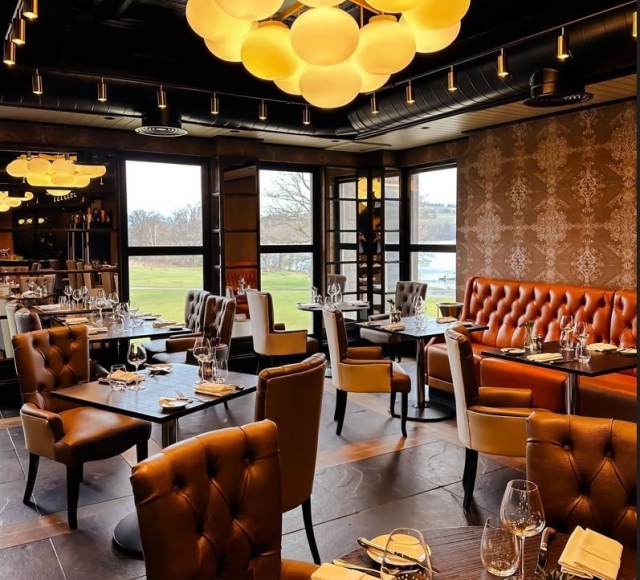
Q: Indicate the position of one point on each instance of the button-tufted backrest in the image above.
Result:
(219, 314)
(194, 309)
(339, 279)
(505, 305)
(291, 396)
(624, 319)
(209, 507)
(586, 470)
(47, 360)
(249, 273)
(405, 294)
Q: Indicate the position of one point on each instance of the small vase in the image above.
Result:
(394, 316)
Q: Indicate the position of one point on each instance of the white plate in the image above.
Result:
(628, 351)
(511, 350)
(376, 555)
(170, 404)
(375, 323)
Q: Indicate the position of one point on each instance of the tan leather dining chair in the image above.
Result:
(271, 340)
(75, 280)
(361, 370)
(210, 507)
(291, 397)
(586, 471)
(490, 419)
(49, 360)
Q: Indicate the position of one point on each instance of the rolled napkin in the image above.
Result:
(358, 303)
(332, 572)
(545, 356)
(395, 326)
(28, 294)
(216, 389)
(309, 305)
(602, 347)
(163, 323)
(127, 377)
(46, 307)
(446, 319)
(76, 320)
(589, 554)
(98, 329)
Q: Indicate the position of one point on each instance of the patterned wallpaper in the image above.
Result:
(551, 199)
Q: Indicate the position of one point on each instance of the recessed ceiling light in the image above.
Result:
(424, 127)
(109, 118)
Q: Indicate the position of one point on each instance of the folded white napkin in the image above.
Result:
(332, 572)
(163, 323)
(49, 307)
(446, 319)
(76, 320)
(396, 326)
(28, 294)
(588, 554)
(98, 329)
(214, 389)
(602, 347)
(127, 377)
(310, 305)
(545, 356)
(358, 303)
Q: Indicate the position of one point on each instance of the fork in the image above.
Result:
(181, 395)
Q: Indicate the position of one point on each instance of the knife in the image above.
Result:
(544, 543)
(368, 544)
(345, 564)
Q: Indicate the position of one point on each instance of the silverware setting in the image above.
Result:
(182, 397)
(425, 564)
(345, 564)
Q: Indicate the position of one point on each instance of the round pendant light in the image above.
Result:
(394, 6)
(99, 171)
(79, 181)
(63, 167)
(18, 168)
(267, 53)
(320, 3)
(209, 21)
(228, 48)
(38, 166)
(291, 84)
(39, 180)
(432, 40)
(62, 180)
(330, 86)
(58, 192)
(374, 55)
(434, 14)
(324, 36)
(250, 9)
(372, 82)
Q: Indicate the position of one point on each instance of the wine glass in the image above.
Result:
(522, 513)
(77, 296)
(332, 290)
(566, 324)
(85, 294)
(113, 298)
(68, 291)
(136, 355)
(202, 351)
(406, 556)
(581, 330)
(101, 302)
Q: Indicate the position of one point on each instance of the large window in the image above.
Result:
(164, 228)
(433, 233)
(286, 238)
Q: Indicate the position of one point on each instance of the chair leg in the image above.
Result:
(226, 406)
(142, 450)
(341, 408)
(308, 528)
(34, 462)
(404, 402)
(258, 366)
(469, 477)
(74, 475)
(392, 403)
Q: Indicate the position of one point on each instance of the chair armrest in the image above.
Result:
(185, 335)
(503, 397)
(373, 317)
(288, 341)
(53, 419)
(366, 375)
(278, 326)
(364, 352)
(228, 292)
(180, 344)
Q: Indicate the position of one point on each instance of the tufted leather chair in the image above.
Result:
(269, 341)
(8, 326)
(48, 360)
(339, 279)
(209, 508)
(405, 294)
(47, 281)
(26, 321)
(291, 396)
(586, 470)
(490, 420)
(361, 370)
(194, 312)
(217, 322)
(232, 277)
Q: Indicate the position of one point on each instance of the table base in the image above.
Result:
(428, 412)
(126, 535)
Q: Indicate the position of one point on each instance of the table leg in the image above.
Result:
(570, 393)
(126, 534)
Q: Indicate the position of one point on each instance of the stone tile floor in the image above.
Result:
(368, 481)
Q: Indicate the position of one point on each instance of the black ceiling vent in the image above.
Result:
(165, 122)
(557, 87)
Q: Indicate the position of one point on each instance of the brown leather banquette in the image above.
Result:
(504, 305)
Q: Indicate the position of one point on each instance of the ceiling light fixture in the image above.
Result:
(162, 98)
(409, 92)
(563, 46)
(262, 111)
(30, 9)
(374, 105)
(502, 64)
(451, 80)
(18, 31)
(9, 53)
(36, 83)
(325, 56)
(102, 91)
(306, 115)
(215, 105)
(634, 25)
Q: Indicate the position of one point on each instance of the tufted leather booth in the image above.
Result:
(504, 305)
(209, 508)
(217, 322)
(489, 419)
(194, 312)
(291, 396)
(49, 360)
(361, 370)
(585, 468)
(231, 279)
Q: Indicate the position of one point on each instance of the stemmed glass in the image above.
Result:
(332, 290)
(522, 513)
(113, 298)
(418, 310)
(85, 294)
(566, 324)
(581, 330)
(406, 556)
(77, 296)
(68, 291)
(136, 356)
(202, 351)
(101, 302)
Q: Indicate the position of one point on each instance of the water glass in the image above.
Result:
(220, 369)
(117, 384)
(583, 352)
(499, 550)
(63, 301)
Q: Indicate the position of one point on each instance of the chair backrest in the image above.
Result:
(47, 360)
(261, 314)
(585, 468)
(405, 293)
(337, 340)
(219, 314)
(340, 279)
(47, 281)
(209, 507)
(35, 266)
(247, 271)
(73, 279)
(194, 309)
(26, 320)
(465, 382)
(291, 396)
(12, 306)
(108, 282)
(7, 347)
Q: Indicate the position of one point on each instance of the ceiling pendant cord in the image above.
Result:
(409, 94)
(36, 83)
(262, 110)
(102, 91)
(162, 98)
(451, 80)
(502, 64)
(215, 105)
(306, 115)
(563, 46)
